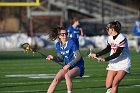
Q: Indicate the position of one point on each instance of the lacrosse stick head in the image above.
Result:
(27, 48)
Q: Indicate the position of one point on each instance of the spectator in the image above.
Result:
(75, 31)
(136, 33)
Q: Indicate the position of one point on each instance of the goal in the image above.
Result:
(28, 3)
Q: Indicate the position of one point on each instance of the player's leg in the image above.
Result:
(109, 80)
(59, 76)
(119, 76)
(71, 73)
(137, 43)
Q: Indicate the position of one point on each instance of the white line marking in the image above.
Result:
(23, 83)
(24, 91)
(136, 85)
(51, 76)
(27, 91)
(33, 75)
(36, 75)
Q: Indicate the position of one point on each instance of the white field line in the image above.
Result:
(23, 67)
(32, 75)
(27, 91)
(29, 64)
(75, 81)
(18, 72)
(135, 68)
(49, 63)
(18, 64)
(23, 91)
(44, 75)
(36, 75)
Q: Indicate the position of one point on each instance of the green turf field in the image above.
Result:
(23, 73)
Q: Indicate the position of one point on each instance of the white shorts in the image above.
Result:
(121, 65)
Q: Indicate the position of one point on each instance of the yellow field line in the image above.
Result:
(37, 3)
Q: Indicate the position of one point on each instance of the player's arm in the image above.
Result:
(115, 55)
(69, 31)
(81, 31)
(118, 51)
(104, 51)
(77, 57)
(58, 58)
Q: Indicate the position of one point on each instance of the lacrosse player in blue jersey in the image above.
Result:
(75, 31)
(67, 52)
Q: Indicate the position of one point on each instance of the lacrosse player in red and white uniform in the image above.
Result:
(119, 59)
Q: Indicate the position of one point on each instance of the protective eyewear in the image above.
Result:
(62, 34)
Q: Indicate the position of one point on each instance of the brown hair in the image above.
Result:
(114, 24)
(54, 33)
(74, 19)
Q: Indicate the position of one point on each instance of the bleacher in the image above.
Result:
(101, 10)
(53, 12)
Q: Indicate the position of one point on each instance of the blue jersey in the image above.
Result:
(74, 32)
(68, 53)
(136, 30)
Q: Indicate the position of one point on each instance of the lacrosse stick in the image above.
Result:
(90, 52)
(28, 48)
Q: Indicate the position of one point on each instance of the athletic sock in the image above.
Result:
(108, 90)
(69, 91)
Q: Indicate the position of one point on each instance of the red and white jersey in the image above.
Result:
(119, 41)
(123, 61)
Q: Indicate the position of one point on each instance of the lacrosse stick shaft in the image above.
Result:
(41, 54)
(27, 48)
(97, 58)
(46, 57)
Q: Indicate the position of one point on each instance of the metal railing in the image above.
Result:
(101, 10)
(96, 6)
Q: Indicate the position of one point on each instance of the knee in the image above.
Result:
(56, 80)
(67, 76)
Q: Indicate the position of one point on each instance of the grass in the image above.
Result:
(27, 70)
